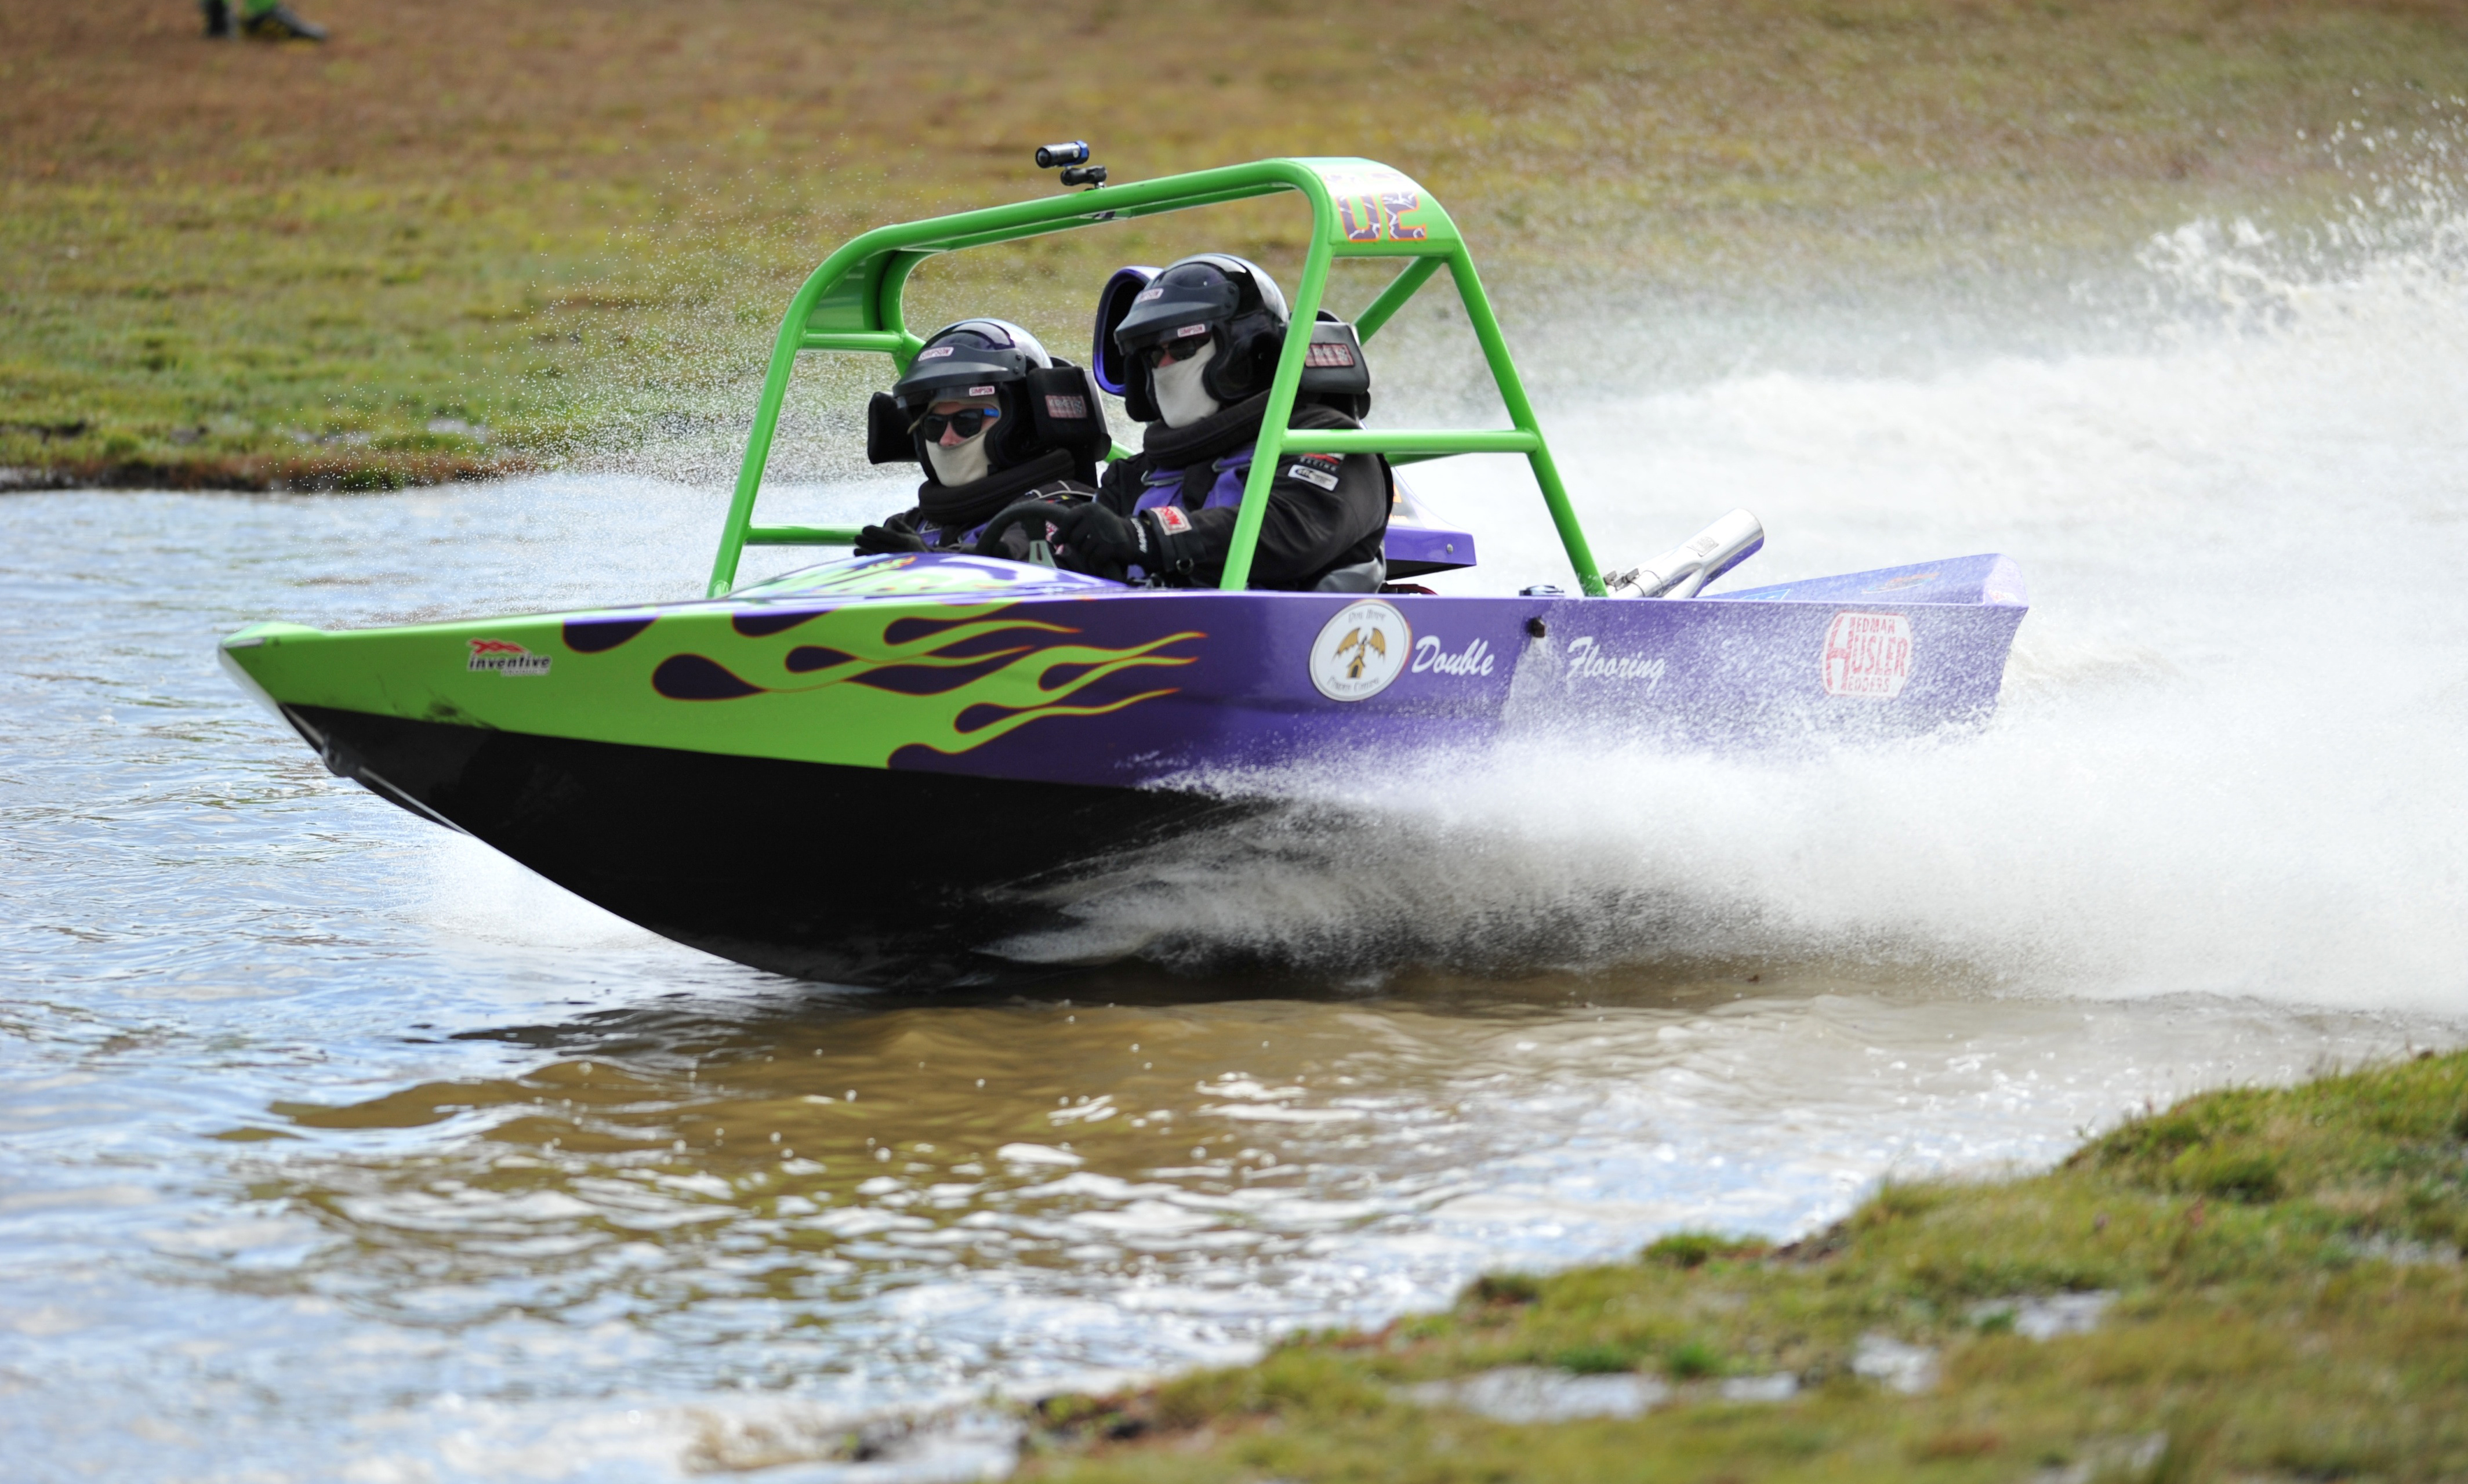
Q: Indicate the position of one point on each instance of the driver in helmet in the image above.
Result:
(993, 420)
(1202, 340)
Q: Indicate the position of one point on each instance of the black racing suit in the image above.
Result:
(1327, 514)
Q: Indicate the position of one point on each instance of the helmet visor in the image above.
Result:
(968, 366)
(972, 353)
(1170, 311)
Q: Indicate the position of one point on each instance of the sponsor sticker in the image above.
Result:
(506, 657)
(1867, 655)
(937, 353)
(1588, 660)
(1432, 656)
(1067, 409)
(981, 391)
(1359, 650)
(1147, 294)
(1171, 519)
(1328, 353)
(1310, 475)
(1188, 329)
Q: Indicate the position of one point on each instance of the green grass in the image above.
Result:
(574, 228)
(2290, 1306)
(236, 338)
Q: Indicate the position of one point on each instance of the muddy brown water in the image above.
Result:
(332, 1146)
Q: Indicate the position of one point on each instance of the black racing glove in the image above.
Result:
(1174, 542)
(894, 535)
(1096, 540)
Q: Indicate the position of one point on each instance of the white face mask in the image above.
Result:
(1180, 398)
(964, 462)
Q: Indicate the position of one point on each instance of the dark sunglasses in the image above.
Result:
(966, 422)
(1179, 348)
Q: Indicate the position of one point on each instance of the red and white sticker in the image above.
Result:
(506, 657)
(1067, 409)
(1867, 655)
(1171, 519)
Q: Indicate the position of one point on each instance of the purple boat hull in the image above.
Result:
(847, 871)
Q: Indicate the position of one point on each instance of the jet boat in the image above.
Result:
(869, 771)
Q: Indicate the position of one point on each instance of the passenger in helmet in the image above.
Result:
(1202, 341)
(993, 421)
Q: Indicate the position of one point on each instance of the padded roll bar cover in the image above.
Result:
(887, 436)
(1064, 407)
(1343, 372)
(1112, 369)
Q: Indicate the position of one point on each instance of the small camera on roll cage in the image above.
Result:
(1072, 159)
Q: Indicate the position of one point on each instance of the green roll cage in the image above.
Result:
(1359, 209)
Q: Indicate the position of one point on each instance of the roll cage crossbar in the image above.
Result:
(1359, 209)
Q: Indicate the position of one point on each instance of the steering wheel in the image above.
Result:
(1035, 515)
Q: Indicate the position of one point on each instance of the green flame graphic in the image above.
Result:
(850, 722)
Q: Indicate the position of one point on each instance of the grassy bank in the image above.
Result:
(2288, 1304)
(449, 242)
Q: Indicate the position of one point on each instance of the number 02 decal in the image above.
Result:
(1374, 218)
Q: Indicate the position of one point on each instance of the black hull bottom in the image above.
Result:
(850, 874)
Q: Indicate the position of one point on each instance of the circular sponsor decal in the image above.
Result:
(1361, 649)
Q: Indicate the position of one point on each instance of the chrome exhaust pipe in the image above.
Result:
(1684, 570)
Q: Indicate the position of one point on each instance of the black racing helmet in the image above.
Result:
(975, 358)
(1047, 403)
(1233, 300)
